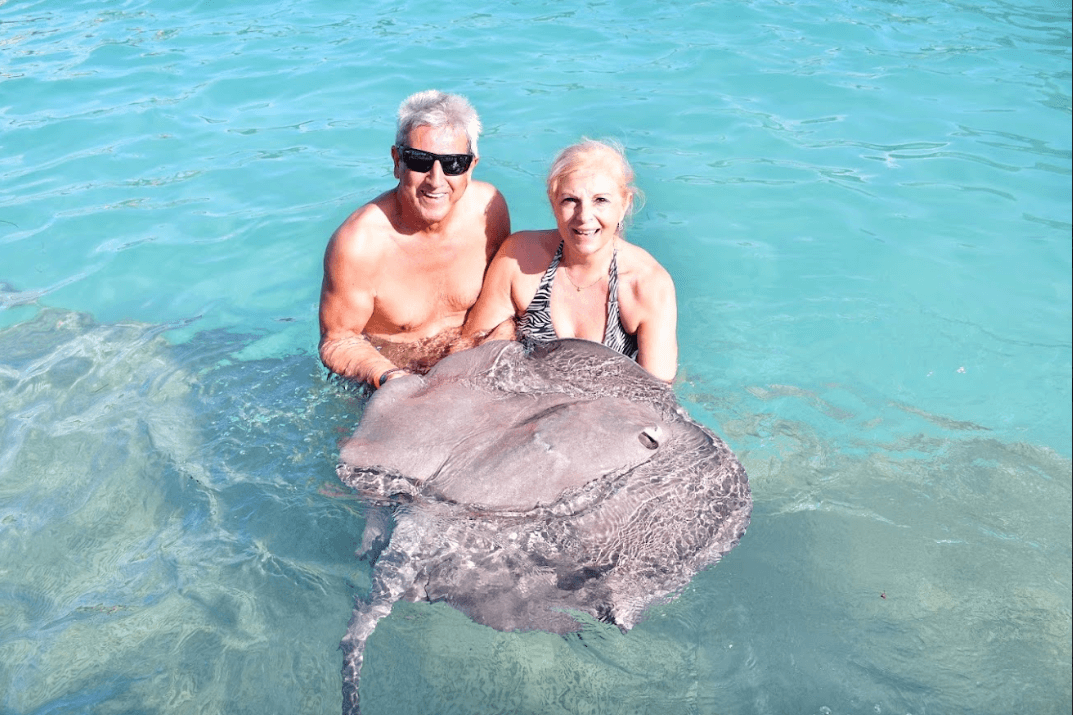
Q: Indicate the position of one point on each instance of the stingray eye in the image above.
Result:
(650, 436)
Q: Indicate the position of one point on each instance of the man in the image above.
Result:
(402, 271)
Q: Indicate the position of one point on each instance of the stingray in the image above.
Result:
(528, 487)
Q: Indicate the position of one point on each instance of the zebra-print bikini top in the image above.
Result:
(535, 328)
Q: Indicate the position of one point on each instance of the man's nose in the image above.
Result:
(436, 172)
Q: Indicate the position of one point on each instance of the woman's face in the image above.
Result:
(590, 203)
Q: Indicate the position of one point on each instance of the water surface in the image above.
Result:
(864, 205)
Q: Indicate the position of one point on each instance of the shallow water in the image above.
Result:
(865, 207)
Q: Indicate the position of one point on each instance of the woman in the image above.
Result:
(582, 279)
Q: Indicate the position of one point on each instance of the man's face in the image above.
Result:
(431, 195)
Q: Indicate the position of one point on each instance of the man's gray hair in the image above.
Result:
(437, 109)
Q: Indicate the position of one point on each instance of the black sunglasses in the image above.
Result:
(422, 161)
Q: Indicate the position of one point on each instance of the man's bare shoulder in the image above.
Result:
(486, 201)
(486, 215)
(367, 232)
(482, 193)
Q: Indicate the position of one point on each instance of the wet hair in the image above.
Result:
(576, 155)
(433, 108)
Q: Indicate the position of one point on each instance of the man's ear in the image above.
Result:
(397, 160)
(476, 160)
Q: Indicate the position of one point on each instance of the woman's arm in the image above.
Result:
(495, 305)
(657, 331)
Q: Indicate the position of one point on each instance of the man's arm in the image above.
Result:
(497, 230)
(498, 222)
(347, 297)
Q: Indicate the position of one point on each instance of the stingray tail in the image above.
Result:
(362, 624)
(393, 577)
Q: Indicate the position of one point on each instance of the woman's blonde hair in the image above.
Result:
(574, 156)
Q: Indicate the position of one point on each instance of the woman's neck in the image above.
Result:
(584, 270)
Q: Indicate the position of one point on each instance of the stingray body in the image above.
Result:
(531, 485)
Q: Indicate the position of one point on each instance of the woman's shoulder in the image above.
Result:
(645, 293)
(531, 248)
(534, 239)
(637, 266)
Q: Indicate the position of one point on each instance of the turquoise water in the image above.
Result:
(866, 210)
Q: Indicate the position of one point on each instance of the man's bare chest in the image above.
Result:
(423, 290)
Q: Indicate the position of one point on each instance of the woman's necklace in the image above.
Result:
(590, 285)
(581, 288)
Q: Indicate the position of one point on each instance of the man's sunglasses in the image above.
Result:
(422, 161)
